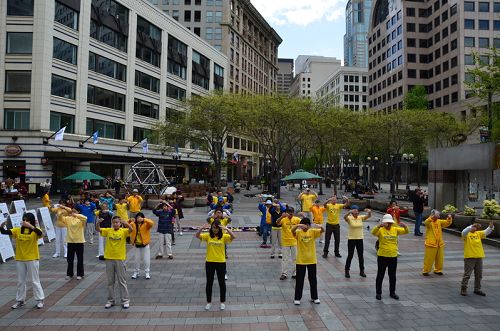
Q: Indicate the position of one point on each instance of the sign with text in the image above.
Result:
(44, 216)
(16, 220)
(6, 250)
(18, 207)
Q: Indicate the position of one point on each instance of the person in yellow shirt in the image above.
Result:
(75, 237)
(115, 254)
(434, 243)
(27, 259)
(288, 242)
(46, 199)
(140, 238)
(317, 212)
(333, 210)
(306, 235)
(134, 202)
(215, 260)
(387, 253)
(307, 199)
(122, 209)
(60, 229)
(355, 238)
(473, 256)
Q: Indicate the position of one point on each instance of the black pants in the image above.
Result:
(351, 245)
(73, 249)
(335, 229)
(391, 263)
(211, 268)
(299, 281)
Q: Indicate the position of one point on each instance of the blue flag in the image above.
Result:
(95, 137)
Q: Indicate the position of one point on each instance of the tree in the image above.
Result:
(206, 122)
(416, 98)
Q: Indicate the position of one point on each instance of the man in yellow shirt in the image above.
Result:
(387, 253)
(115, 254)
(134, 202)
(434, 243)
(288, 242)
(306, 234)
(355, 238)
(317, 212)
(473, 256)
(333, 210)
(307, 199)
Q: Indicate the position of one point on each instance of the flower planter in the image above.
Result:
(486, 222)
(188, 203)
(200, 201)
(462, 221)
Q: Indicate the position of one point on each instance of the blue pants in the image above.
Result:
(266, 232)
(418, 222)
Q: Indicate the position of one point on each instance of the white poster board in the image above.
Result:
(44, 216)
(16, 220)
(18, 207)
(6, 249)
(32, 211)
(4, 210)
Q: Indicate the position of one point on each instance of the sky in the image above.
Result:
(311, 27)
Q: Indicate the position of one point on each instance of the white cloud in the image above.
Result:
(299, 12)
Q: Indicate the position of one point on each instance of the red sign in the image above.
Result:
(13, 150)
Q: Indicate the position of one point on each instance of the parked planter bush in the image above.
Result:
(486, 222)
(461, 221)
(362, 204)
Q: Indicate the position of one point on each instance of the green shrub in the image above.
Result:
(468, 211)
(491, 209)
(450, 209)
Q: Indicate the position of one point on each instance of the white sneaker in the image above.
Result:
(67, 278)
(321, 241)
(18, 304)
(296, 302)
(39, 305)
(148, 276)
(109, 304)
(225, 277)
(222, 306)
(55, 255)
(180, 233)
(79, 277)
(134, 275)
(316, 301)
(208, 306)
(126, 305)
(97, 256)
(65, 255)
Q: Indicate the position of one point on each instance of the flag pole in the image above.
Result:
(46, 140)
(80, 144)
(132, 147)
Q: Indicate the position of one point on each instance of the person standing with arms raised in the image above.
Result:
(288, 242)
(134, 202)
(333, 210)
(434, 243)
(355, 238)
(75, 237)
(307, 198)
(140, 237)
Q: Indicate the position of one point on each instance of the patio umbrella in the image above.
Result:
(301, 175)
(84, 175)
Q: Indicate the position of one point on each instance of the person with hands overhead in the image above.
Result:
(165, 213)
(387, 253)
(434, 243)
(473, 256)
(60, 229)
(307, 198)
(27, 259)
(115, 254)
(288, 242)
(140, 238)
(306, 235)
(333, 210)
(75, 238)
(215, 261)
(355, 238)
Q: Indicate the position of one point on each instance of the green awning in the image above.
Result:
(84, 175)
(301, 175)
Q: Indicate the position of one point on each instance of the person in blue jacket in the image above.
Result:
(221, 204)
(87, 208)
(165, 213)
(109, 199)
(269, 213)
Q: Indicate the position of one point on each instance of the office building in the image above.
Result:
(285, 75)
(310, 73)
(357, 15)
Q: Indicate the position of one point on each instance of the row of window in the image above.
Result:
(426, 12)
(482, 42)
(470, 24)
(243, 144)
(217, 3)
(482, 6)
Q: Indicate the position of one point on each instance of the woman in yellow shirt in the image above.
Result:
(216, 258)
(306, 258)
(355, 238)
(46, 199)
(317, 211)
(27, 259)
(122, 209)
(387, 254)
(75, 237)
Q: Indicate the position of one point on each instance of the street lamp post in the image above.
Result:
(176, 157)
(408, 158)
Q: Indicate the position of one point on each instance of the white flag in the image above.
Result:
(60, 134)
(145, 146)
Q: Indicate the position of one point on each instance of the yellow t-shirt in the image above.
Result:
(121, 211)
(134, 203)
(317, 212)
(215, 247)
(306, 246)
(388, 240)
(224, 221)
(26, 245)
(115, 248)
(473, 247)
(333, 211)
(46, 200)
(307, 201)
(75, 226)
(287, 238)
(355, 228)
(60, 213)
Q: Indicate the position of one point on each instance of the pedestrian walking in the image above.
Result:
(288, 243)
(104, 217)
(60, 229)
(140, 238)
(134, 202)
(115, 255)
(307, 197)
(317, 211)
(87, 209)
(165, 213)
(473, 256)
(418, 209)
(434, 243)
(215, 261)
(306, 234)
(75, 237)
(333, 210)
(387, 253)
(355, 238)
(27, 259)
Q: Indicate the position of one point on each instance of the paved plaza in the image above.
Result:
(174, 298)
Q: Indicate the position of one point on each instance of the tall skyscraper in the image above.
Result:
(357, 13)
(285, 75)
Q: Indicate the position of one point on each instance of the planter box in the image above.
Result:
(362, 204)
(462, 221)
(188, 203)
(486, 222)
(200, 202)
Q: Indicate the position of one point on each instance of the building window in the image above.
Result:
(218, 17)
(106, 129)
(19, 42)
(65, 51)
(469, 6)
(148, 45)
(175, 15)
(109, 23)
(16, 119)
(484, 25)
(177, 57)
(469, 42)
(176, 92)
(20, 7)
(105, 98)
(210, 16)
(496, 7)
(469, 24)
(496, 42)
(63, 87)
(66, 15)
(197, 16)
(209, 34)
(59, 120)
(18, 81)
(484, 7)
(146, 81)
(218, 77)
(140, 134)
(484, 42)
(412, 73)
(410, 12)
(218, 34)
(496, 25)
(145, 108)
(105, 66)
(201, 70)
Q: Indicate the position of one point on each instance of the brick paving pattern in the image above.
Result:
(256, 299)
